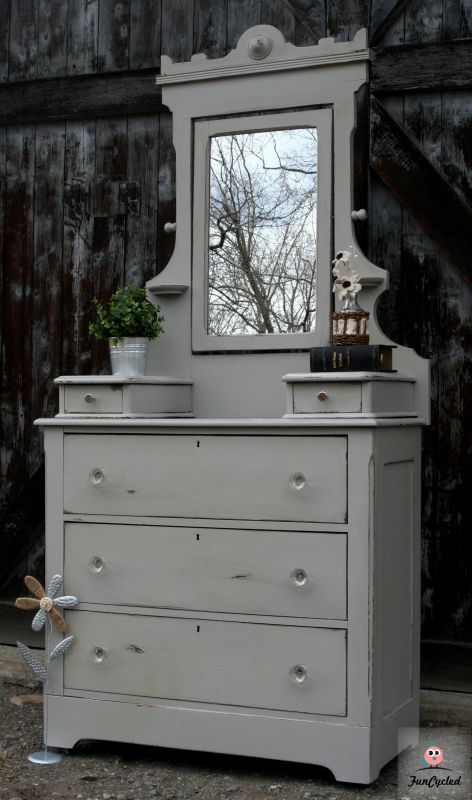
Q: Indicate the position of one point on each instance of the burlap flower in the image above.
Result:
(46, 602)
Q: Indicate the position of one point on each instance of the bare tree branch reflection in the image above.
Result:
(262, 238)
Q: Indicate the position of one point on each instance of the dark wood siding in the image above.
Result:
(87, 182)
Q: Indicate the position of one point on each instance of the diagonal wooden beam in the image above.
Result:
(295, 6)
(383, 16)
(435, 66)
(79, 97)
(421, 188)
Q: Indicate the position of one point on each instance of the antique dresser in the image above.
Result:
(243, 535)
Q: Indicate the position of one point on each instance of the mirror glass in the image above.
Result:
(262, 248)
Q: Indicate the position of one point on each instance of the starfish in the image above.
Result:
(46, 602)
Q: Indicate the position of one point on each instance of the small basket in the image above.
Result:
(350, 327)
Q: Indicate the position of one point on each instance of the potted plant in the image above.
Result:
(129, 321)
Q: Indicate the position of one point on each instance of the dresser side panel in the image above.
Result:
(396, 571)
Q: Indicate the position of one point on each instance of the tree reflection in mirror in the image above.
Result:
(262, 232)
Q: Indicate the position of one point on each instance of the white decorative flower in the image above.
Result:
(347, 285)
(342, 263)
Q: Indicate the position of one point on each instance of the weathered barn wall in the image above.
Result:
(87, 182)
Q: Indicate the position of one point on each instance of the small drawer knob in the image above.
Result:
(90, 398)
(298, 674)
(297, 481)
(96, 564)
(97, 476)
(99, 654)
(299, 577)
(322, 396)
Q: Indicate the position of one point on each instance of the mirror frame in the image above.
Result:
(204, 130)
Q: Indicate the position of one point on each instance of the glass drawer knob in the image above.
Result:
(297, 480)
(90, 398)
(322, 396)
(299, 577)
(97, 476)
(298, 674)
(99, 654)
(96, 564)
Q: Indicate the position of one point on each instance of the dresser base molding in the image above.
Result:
(353, 753)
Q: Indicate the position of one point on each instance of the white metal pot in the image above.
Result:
(129, 355)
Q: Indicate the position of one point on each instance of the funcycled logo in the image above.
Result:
(433, 756)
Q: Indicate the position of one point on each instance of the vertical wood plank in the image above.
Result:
(456, 141)
(423, 21)
(457, 19)
(4, 38)
(52, 38)
(448, 593)
(23, 40)
(448, 605)
(345, 19)
(177, 29)
(141, 228)
(113, 35)
(145, 34)
(210, 24)
(310, 21)
(281, 15)
(79, 173)
(242, 14)
(108, 248)
(385, 250)
(436, 329)
(82, 37)
(17, 312)
(3, 192)
(47, 277)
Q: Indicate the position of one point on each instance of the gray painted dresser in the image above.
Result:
(248, 577)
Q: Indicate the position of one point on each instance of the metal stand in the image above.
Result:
(45, 757)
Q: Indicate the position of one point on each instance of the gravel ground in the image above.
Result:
(107, 771)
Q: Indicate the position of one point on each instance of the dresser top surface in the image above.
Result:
(333, 421)
(85, 380)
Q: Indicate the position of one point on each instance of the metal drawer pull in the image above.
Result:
(322, 396)
(97, 476)
(99, 654)
(299, 577)
(298, 674)
(90, 398)
(297, 480)
(96, 564)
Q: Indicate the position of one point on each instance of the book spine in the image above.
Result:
(366, 358)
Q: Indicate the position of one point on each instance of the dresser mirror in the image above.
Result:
(262, 229)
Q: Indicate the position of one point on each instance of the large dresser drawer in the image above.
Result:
(279, 573)
(243, 664)
(215, 477)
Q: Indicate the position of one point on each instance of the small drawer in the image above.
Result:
(206, 569)
(391, 396)
(93, 399)
(148, 396)
(319, 398)
(301, 478)
(212, 661)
